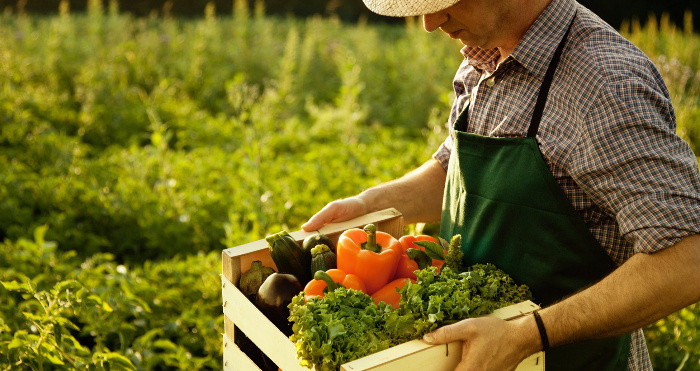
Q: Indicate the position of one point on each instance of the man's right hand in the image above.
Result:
(337, 211)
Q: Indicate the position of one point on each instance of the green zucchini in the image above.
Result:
(288, 256)
(317, 239)
(322, 258)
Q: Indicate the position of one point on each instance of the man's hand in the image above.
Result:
(336, 211)
(417, 195)
(489, 343)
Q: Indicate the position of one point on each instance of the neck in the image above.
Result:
(520, 16)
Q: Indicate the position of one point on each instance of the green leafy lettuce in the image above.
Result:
(436, 299)
(346, 324)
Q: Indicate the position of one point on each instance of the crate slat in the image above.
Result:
(514, 311)
(411, 355)
(258, 328)
(235, 359)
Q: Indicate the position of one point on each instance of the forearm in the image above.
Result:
(644, 289)
(417, 195)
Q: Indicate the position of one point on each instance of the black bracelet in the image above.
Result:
(543, 331)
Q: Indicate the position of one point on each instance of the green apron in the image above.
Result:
(503, 200)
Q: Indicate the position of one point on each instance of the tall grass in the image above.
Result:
(676, 52)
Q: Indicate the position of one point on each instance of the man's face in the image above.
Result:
(477, 23)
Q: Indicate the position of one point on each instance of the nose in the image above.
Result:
(433, 21)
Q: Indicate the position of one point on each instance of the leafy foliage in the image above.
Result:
(673, 341)
(148, 137)
(59, 311)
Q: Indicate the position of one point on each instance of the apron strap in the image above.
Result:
(546, 83)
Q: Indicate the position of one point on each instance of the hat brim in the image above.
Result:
(407, 8)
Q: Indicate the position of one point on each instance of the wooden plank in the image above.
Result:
(246, 248)
(259, 329)
(411, 355)
(416, 355)
(380, 218)
(534, 362)
(393, 226)
(230, 267)
(514, 311)
(229, 328)
(235, 359)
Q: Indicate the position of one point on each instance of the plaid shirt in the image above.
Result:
(607, 132)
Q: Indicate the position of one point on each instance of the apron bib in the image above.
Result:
(503, 200)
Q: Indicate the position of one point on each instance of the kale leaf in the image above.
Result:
(440, 299)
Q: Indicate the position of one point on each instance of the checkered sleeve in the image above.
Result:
(442, 155)
(632, 164)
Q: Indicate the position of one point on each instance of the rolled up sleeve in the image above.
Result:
(632, 164)
(442, 155)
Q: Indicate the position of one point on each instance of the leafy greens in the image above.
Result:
(346, 324)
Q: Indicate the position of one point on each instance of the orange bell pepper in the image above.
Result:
(371, 255)
(407, 265)
(389, 293)
(329, 281)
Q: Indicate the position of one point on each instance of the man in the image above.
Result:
(563, 169)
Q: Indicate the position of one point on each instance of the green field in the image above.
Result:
(132, 151)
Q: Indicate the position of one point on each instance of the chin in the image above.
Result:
(470, 42)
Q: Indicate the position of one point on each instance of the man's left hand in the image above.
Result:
(489, 343)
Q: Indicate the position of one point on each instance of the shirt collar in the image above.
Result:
(482, 59)
(536, 48)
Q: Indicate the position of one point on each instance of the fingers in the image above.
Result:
(488, 343)
(326, 215)
(448, 334)
(336, 211)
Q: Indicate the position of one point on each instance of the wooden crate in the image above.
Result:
(412, 355)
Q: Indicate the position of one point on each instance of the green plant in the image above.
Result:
(673, 341)
(59, 310)
(37, 326)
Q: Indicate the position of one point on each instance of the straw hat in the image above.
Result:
(407, 8)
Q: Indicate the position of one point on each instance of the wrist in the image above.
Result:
(527, 335)
(368, 199)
